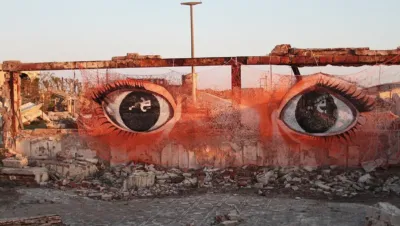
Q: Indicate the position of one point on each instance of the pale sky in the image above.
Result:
(48, 30)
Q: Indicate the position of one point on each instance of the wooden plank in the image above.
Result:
(39, 220)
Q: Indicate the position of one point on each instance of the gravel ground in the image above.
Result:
(196, 209)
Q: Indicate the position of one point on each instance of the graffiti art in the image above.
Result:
(318, 114)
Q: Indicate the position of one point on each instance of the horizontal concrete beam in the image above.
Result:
(281, 55)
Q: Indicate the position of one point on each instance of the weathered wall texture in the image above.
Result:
(317, 119)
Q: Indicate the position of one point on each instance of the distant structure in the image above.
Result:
(24, 75)
(158, 81)
(385, 91)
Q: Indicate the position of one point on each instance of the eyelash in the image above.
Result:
(360, 101)
(345, 135)
(99, 95)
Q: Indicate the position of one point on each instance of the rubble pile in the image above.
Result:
(61, 120)
(142, 180)
(33, 117)
(80, 169)
(131, 180)
(327, 181)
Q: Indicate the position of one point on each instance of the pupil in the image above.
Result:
(316, 112)
(139, 111)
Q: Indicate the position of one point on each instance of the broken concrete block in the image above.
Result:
(30, 112)
(69, 169)
(40, 173)
(281, 50)
(322, 186)
(370, 166)
(91, 160)
(229, 223)
(106, 197)
(364, 178)
(264, 178)
(190, 181)
(258, 185)
(383, 213)
(15, 162)
(94, 195)
(309, 168)
(141, 180)
(55, 116)
(234, 216)
(395, 188)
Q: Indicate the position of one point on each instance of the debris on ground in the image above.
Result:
(383, 213)
(20, 170)
(53, 220)
(370, 166)
(233, 218)
(31, 112)
(145, 180)
(85, 174)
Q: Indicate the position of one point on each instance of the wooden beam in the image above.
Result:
(39, 220)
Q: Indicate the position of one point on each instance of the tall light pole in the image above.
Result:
(194, 79)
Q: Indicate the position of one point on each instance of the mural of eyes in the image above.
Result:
(318, 113)
(327, 107)
(134, 106)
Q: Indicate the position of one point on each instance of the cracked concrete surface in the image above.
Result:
(184, 210)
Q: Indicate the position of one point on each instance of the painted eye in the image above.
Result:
(137, 111)
(319, 113)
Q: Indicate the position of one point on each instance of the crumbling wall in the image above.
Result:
(63, 152)
(316, 119)
(212, 134)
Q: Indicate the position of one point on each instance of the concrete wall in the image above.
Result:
(262, 129)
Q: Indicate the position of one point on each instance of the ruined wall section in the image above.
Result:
(246, 128)
(62, 152)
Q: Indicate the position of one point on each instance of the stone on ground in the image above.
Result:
(383, 213)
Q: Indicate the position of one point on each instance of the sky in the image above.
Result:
(48, 30)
